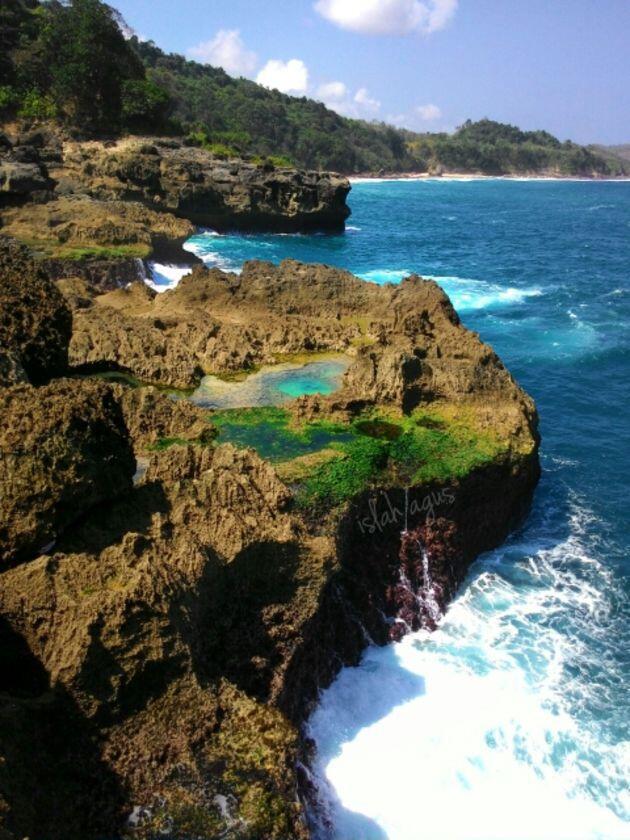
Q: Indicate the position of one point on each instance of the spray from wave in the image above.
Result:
(497, 726)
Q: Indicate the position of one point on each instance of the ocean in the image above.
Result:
(511, 720)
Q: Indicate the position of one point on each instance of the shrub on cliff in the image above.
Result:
(145, 105)
(89, 61)
(37, 106)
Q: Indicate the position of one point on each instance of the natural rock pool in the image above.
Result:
(273, 385)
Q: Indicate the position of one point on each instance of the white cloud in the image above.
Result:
(287, 77)
(428, 112)
(399, 120)
(332, 92)
(365, 102)
(388, 17)
(226, 50)
(338, 97)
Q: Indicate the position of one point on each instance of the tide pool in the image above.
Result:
(272, 385)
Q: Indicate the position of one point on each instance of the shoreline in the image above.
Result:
(468, 176)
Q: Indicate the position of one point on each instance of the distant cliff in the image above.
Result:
(142, 196)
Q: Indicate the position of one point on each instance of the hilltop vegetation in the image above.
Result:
(50, 50)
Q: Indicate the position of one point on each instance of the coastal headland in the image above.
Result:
(178, 583)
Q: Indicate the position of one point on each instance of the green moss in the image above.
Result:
(274, 435)
(51, 249)
(167, 442)
(101, 252)
(432, 444)
(427, 446)
(252, 416)
(339, 480)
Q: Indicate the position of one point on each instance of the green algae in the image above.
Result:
(378, 447)
(271, 432)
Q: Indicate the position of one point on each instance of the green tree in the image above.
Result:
(145, 105)
(89, 61)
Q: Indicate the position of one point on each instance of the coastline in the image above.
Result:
(468, 176)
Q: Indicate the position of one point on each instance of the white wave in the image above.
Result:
(165, 277)
(474, 732)
(210, 258)
(467, 294)
(385, 275)
(353, 228)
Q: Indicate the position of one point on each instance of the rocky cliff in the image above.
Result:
(164, 176)
(178, 630)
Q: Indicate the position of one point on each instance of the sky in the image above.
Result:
(561, 65)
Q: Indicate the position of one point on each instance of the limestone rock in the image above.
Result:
(406, 341)
(69, 224)
(151, 416)
(64, 449)
(35, 322)
(191, 183)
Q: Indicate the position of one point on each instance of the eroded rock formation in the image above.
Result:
(193, 184)
(166, 176)
(179, 629)
(35, 322)
(64, 448)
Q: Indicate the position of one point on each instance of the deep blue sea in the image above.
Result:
(511, 720)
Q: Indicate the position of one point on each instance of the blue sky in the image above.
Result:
(562, 65)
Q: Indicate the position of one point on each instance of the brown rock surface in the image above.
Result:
(151, 416)
(35, 322)
(181, 629)
(130, 619)
(407, 341)
(191, 183)
(64, 449)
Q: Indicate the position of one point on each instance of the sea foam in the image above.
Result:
(488, 728)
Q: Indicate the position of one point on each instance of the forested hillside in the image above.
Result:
(50, 50)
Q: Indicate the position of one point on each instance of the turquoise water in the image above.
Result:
(275, 385)
(510, 721)
(275, 440)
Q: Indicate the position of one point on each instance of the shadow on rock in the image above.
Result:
(131, 514)
(53, 782)
(247, 616)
